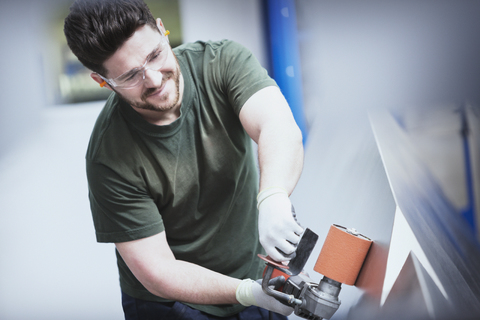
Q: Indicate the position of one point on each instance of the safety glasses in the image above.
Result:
(133, 78)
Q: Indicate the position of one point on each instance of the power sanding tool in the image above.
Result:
(340, 261)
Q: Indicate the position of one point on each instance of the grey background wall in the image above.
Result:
(360, 56)
(50, 265)
(355, 55)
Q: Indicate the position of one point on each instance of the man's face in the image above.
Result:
(160, 91)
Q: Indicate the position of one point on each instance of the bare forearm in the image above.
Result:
(187, 282)
(154, 265)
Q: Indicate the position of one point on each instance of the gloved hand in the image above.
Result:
(278, 231)
(250, 293)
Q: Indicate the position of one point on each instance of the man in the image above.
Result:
(171, 173)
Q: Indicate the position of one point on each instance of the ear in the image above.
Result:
(99, 80)
(160, 25)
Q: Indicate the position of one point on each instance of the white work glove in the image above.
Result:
(250, 293)
(277, 228)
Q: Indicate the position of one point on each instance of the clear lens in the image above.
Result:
(129, 81)
(134, 78)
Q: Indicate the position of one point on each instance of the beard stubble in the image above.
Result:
(159, 108)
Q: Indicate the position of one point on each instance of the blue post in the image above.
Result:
(285, 57)
(469, 212)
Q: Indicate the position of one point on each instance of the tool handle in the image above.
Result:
(284, 298)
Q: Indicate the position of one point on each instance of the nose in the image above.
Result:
(152, 78)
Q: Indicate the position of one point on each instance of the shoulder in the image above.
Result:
(101, 126)
(110, 133)
(208, 47)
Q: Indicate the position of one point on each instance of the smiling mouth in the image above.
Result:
(152, 91)
(157, 91)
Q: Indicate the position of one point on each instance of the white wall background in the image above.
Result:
(51, 266)
(225, 19)
(361, 55)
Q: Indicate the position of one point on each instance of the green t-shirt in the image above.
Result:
(195, 178)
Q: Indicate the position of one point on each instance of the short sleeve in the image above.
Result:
(242, 73)
(121, 212)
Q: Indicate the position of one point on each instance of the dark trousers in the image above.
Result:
(136, 309)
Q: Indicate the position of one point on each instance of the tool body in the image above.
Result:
(340, 261)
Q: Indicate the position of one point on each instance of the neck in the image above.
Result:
(160, 118)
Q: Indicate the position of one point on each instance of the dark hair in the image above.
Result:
(95, 29)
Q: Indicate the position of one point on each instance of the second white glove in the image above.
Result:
(278, 231)
(250, 292)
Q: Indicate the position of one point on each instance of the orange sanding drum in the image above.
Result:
(342, 255)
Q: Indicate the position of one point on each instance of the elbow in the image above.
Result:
(159, 284)
(296, 136)
(155, 286)
(299, 137)
(160, 288)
